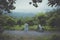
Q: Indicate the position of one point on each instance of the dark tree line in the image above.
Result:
(53, 18)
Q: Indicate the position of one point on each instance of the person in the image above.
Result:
(40, 28)
(26, 27)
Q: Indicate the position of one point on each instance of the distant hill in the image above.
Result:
(21, 14)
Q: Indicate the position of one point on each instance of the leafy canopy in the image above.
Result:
(7, 5)
(50, 2)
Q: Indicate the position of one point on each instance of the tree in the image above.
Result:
(53, 19)
(53, 2)
(29, 20)
(6, 21)
(10, 22)
(19, 22)
(41, 19)
(7, 5)
(50, 2)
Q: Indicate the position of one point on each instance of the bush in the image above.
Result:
(55, 37)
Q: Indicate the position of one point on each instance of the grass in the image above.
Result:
(17, 27)
(34, 27)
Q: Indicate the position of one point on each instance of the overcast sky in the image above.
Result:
(24, 6)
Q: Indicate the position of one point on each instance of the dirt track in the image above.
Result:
(29, 33)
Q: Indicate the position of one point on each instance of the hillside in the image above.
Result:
(21, 14)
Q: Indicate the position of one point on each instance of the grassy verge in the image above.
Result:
(17, 27)
(34, 27)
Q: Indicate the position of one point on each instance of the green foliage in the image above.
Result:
(50, 2)
(6, 22)
(50, 21)
(53, 2)
(29, 20)
(19, 22)
(34, 27)
(41, 18)
(53, 19)
(7, 5)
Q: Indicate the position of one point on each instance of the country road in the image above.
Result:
(29, 33)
